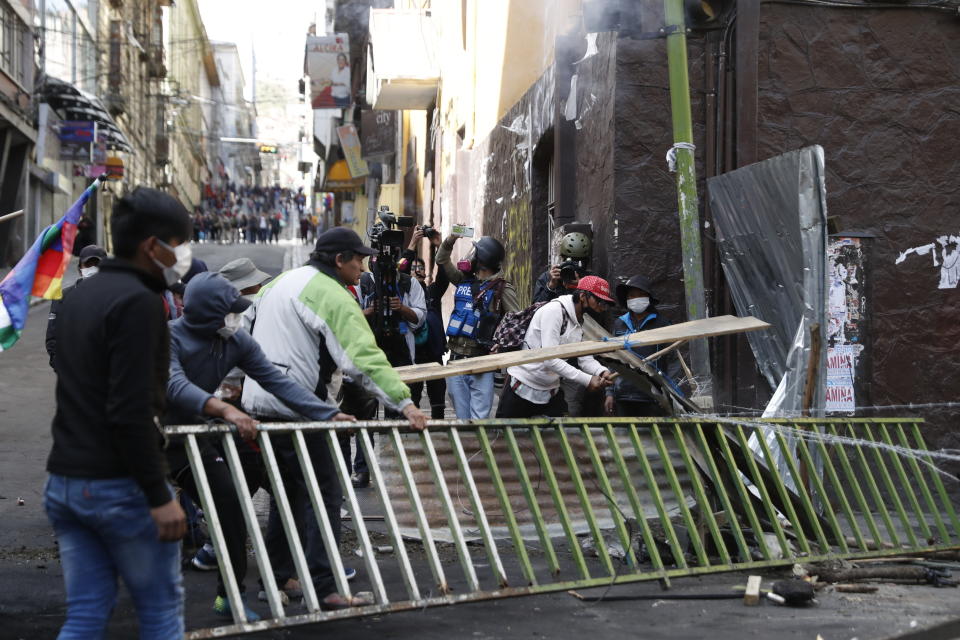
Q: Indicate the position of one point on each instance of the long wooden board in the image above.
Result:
(719, 326)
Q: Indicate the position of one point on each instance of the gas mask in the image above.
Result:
(231, 324)
(183, 253)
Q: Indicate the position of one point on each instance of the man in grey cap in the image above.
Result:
(244, 275)
(88, 265)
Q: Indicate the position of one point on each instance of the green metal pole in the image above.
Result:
(687, 185)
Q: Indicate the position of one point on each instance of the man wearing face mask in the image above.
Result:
(534, 389)
(482, 297)
(623, 398)
(89, 264)
(205, 344)
(107, 496)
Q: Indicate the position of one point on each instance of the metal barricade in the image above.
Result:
(574, 503)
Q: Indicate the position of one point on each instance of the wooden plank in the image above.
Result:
(751, 597)
(719, 326)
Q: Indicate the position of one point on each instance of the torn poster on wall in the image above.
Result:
(946, 257)
(845, 308)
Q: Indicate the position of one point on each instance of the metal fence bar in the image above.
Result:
(746, 498)
(937, 482)
(320, 511)
(858, 495)
(874, 491)
(546, 467)
(409, 580)
(506, 508)
(905, 483)
(581, 491)
(786, 498)
(705, 506)
(463, 464)
(841, 494)
(618, 517)
(817, 483)
(639, 513)
(529, 494)
(720, 489)
(888, 482)
(369, 559)
(289, 525)
(253, 526)
(653, 487)
(761, 486)
(692, 529)
(924, 489)
(422, 524)
(466, 562)
(805, 500)
(216, 531)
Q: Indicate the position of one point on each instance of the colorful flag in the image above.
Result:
(40, 271)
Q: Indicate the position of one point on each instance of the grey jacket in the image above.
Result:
(200, 358)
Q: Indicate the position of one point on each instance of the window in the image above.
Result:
(12, 39)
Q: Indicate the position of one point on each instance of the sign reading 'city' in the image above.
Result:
(328, 65)
(378, 132)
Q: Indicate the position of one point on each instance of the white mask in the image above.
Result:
(231, 324)
(86, 272)
(184, 254)
(638, 305)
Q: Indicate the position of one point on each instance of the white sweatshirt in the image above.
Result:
(544, 331)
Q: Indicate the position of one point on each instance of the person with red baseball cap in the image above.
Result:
(534, 389)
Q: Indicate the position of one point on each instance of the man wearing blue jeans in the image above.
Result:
(481, 298)
(107, 495)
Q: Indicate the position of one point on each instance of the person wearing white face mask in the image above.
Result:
(205, 344)
(636, 295)
(88, 264)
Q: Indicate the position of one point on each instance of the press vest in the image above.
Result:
(465, 317)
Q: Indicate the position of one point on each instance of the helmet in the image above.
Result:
(489, 252)
(575, 245)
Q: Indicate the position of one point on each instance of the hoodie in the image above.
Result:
(200, 358)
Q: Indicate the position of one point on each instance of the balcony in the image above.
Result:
(156, 67)
(402, 70)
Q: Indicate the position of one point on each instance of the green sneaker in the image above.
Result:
(221, 606)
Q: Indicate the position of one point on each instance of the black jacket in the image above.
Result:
(111, 360)
(51, 340)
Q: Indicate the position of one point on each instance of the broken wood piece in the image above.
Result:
(898, 572)
(856, 588)
(657, 354)
(718, 326)
(751, 597)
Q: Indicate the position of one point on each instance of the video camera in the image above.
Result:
(388, 241)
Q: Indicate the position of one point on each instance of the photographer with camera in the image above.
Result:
(395, 306)
(429, 339)
(482, 297)
(562, 279)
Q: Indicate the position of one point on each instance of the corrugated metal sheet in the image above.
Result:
(599, 503)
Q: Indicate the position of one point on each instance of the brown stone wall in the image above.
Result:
(880, 91)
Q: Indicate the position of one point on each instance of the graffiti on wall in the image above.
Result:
(845, 311)
(945, 251)
(517, 238)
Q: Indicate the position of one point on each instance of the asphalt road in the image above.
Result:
(31, 589)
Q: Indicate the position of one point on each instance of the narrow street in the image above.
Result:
(32, 599)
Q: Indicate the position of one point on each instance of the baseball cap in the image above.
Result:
(92, 251)
(242, 273)
(597, 286)
(342, 239)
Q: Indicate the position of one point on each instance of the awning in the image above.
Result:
(72, 103)
(339, 178)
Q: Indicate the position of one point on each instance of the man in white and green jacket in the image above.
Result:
(309, 325)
